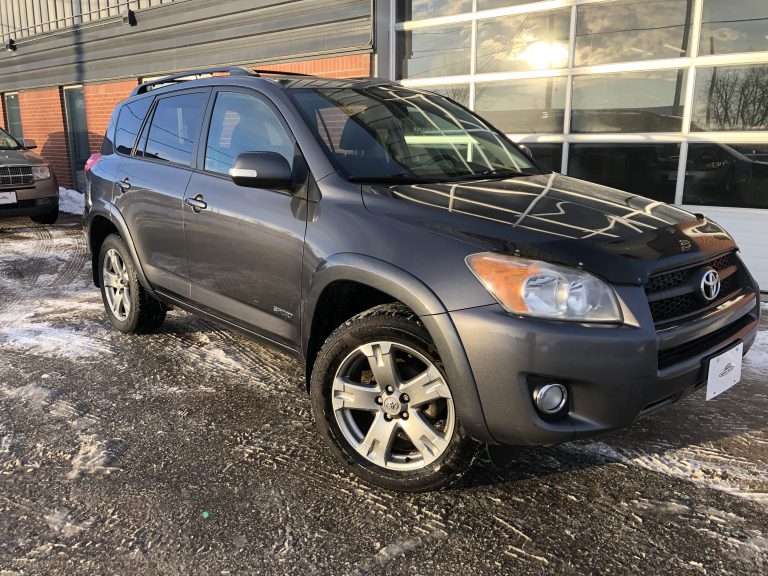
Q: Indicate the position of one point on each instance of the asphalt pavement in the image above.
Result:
(192, 451)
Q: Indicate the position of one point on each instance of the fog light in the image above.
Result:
(550, 398)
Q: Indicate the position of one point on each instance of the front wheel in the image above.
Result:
(47, 218)
(130, 308)
(382, 401)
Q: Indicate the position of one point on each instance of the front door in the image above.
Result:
(245, 247)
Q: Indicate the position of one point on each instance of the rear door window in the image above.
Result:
(129, 123)
(174, 126)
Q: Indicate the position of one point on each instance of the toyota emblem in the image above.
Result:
(710, 285)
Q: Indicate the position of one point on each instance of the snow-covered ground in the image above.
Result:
(71, 201)
(193, 451)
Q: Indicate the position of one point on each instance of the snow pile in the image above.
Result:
(44, 339)
(71, 201)
(756, 360)
(700, 464)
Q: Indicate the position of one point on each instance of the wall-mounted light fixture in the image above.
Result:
(10, 45)
(129, 17)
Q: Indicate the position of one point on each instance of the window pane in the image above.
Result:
(648, 170)
(457, 92)
(391, 133)
(523, 106)
(727, 175)
(490, 4)
(128, 124)
(174, 126)
(416, 9)
(13, 114)
(243, 123)
(525, 42)
(733, 26)
(549, 155)
(630, 102)
(731, 98)
(438, 51)
(632, 30)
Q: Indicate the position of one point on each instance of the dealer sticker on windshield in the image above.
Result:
(8, 197)
(724, 371)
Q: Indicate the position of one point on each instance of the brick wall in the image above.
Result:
(100, 100)
(42, 118)
(335, 67)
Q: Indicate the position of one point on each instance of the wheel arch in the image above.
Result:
(103, 221)
(382, 282)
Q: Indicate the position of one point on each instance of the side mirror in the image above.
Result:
(261, 170)
(28, 143)
(525, 149)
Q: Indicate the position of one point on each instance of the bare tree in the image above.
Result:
(738, 99)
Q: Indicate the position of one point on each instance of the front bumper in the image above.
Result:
(37, 200)
(614, 374)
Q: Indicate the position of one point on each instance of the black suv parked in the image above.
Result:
(441, 287)
(28, 186)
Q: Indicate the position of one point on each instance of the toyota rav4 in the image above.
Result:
(441, 287)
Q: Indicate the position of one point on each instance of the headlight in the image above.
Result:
(533, 288)
(41, 172)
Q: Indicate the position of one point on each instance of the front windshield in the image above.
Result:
(390, 133)
(7, 142)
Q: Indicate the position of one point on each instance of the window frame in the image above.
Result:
(7, 120)
(147, 124)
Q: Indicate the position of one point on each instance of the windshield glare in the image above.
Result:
(7, 142)
(392, 133)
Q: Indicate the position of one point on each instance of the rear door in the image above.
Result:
(151, 185)
(245, 247)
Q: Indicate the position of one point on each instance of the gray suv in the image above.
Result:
(28, 186)
(441, 287)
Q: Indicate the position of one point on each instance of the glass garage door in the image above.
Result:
(664, 98)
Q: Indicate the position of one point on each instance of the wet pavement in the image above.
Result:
(192, 451)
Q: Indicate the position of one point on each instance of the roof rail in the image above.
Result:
(259, 71)
(183, 76)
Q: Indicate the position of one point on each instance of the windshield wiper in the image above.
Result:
(496, 173)
(392, 178)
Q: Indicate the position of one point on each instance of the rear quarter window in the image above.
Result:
(129, 123)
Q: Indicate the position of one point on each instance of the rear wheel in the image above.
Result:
(48, 218)
(381, 399)
(130, 308)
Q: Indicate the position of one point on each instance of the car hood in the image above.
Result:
(619, 236)
(16, 157)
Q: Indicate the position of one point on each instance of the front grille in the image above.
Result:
(672, 356)
(12, 176)
(674, 295)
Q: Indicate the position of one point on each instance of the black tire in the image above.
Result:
(392, 323)
(48, 218)
(146, 314)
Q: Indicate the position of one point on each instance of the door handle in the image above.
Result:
(197, 203)
(124, 184)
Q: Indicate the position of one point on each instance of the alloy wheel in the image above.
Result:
(117, 287)
(393, 406)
